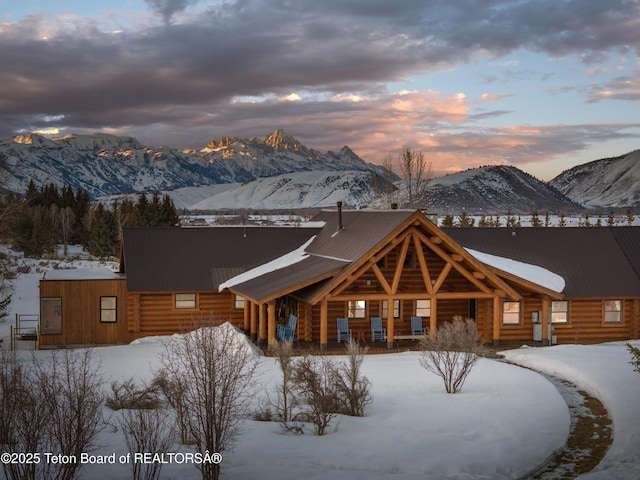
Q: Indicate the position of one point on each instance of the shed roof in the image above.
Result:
(595, 262)
(187, 259)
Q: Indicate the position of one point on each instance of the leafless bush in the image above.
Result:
(314, 380)
(209, 378)
(454, 352)
(635, 357)
(147, 430)
(70, 389)
(354, 390)
(129, 395)
(23, 424)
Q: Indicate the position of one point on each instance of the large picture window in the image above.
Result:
(356, 308)
(613, 311)
(108, 309)
(560, 312)
(185, 300)
(511, 313)
(51, 316)
(238, 302)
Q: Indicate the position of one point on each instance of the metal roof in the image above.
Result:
(594, 261)
(286, 280)
(188, 259)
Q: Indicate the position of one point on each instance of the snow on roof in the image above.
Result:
(99, 273)
(285, 260)
(533, 273)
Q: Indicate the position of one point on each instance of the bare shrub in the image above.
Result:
(314, 380)
(209, 378)
(70, 388)
(635, 357)
(129, 395)
(23, 422)
(454, 352)
(147, 430)
(354, 389)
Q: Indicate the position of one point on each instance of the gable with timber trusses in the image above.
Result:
(420, 259)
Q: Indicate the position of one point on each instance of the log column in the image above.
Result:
(254, 321)
(546, 339)
(271, 316)
(324, 321)
(262, 324)
(433, 320)
(246, 326)
(497, 317)
(390, 324)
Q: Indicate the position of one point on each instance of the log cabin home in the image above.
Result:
(524, 285)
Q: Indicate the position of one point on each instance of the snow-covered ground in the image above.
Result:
(506, 421)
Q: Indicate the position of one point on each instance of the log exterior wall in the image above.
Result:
(154, 313)
(80, 301)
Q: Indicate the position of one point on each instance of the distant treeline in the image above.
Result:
(465, 220)
(41, 219)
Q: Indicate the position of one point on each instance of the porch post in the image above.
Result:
(433, 320)
(246, 326)
(254, 321)
(262, 324)
(497, 314)
(546, 340)
(324, 317)
(271, 316)
(390, 324)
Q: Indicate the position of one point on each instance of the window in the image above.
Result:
(356, 308)
(108, 310)
(423, 308)
(408, 260)
(51, 316)
(185, 300)
(238, 302)
(613, 311)
(385, 308)
(511, 313)
(560, 312)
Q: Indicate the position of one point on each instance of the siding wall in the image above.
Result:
(81, 312)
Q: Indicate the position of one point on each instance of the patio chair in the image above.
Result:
(288, 331)
(344, 332)
(377, 332)
(416, 326)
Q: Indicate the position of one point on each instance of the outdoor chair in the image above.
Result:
(416, 326)
(288, 331)
(377, 332)
(344, 332)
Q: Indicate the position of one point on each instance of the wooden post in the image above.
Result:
(262, 324)
(497, 315)
(433, 320)
(324, 320)
(390, 324)
(271, 316)
(246, 326)
(546, 340)
(254, 321)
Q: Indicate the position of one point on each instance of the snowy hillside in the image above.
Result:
(106, 165)
(294, 190)
(610, 182)
(495, 189)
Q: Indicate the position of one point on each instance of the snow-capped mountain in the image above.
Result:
(495, 189)
(294, 190)
(610, 182)
(106, 164)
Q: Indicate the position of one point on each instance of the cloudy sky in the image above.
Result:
(539, 84)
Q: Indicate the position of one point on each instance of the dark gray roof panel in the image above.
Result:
(589, 259)
(361, 231)
(188, 259)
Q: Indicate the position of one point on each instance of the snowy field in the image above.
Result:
(505, 422)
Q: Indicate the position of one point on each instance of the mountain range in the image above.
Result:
(278, 172)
